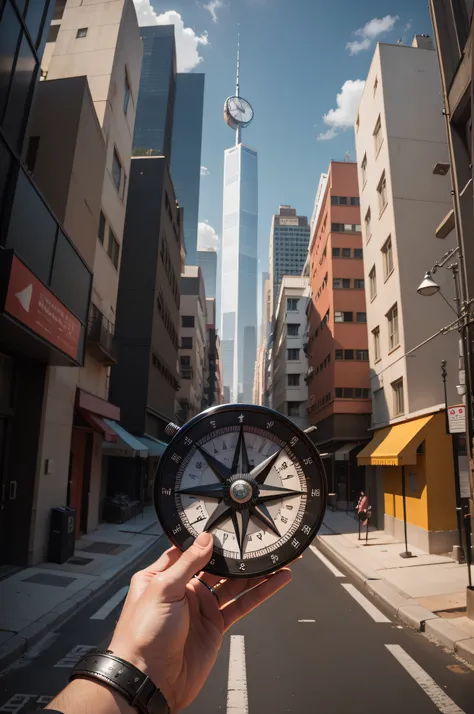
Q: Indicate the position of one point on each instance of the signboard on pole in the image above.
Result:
(457, 419)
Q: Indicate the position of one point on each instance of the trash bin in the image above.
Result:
(62, 534)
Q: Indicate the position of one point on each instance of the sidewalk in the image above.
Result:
(427, 592)
(35, 600)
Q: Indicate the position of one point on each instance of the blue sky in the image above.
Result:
(295, 61)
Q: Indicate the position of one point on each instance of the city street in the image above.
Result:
(318, 646)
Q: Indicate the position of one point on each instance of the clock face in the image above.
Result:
(240, 110)
(250, 477)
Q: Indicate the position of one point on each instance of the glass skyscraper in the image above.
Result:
(289, 241)
(207, 261)
(239, 271)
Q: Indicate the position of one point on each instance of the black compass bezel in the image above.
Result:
(258, 417)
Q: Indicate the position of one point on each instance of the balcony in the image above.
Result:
(100, 339)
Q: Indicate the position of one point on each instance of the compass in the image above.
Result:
(249, 476)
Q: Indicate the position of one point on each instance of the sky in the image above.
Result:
(303, 66)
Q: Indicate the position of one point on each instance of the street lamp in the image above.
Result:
(427, 287)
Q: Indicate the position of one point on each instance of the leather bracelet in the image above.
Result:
(124, 678)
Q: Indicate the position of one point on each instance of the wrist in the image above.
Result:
(85, 696)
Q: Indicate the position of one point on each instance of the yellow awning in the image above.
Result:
(395, 445)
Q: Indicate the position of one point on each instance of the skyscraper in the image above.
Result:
(239, 254)
(206, 259)
(156, 98)
(186, 154)
(289, 240)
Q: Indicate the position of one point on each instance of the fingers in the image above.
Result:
(142, 578)
(230, 589)
(190, 562)
(252, 599)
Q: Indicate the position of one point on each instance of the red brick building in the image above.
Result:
(339, 401)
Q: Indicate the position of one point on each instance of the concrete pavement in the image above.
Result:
(427, 592)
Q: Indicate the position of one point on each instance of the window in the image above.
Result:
(368, 226)
(116, 170)
(362, 355)
(387, 255)
(186, 343)
(343, 317)
(346, 252)
(361, 393)
(339, 283)
(392, 319)
(32, 153)
(358, 253)
(342, 200)
(376, 337)
(292, 304)
(187, 320)
(185, 361)
(102, 226)
(349, 354)
(293, 380)
(372, 283)
(355, 201)
(376, 84)
(361, 317)
(363, 170)
(293, 409)
(348, 393)
(334, 200)
(337, 227)
(82, 32)
(293, 355)
(398, 400)
(338, 392)
(382, 191)
(339, 354)
(126, 93)
(336, 252)
(359, 283)
(293, 330)
(378, 138)
(113, 249)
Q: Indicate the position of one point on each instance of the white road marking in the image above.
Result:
(104, 611)
(16, 703)
(306, 620)
(73, 656)
(370, 609)
(237, 698)
(439, 698)
(327, 562)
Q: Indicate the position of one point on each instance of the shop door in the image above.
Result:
(76, 474)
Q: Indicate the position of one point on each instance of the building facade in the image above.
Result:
(193, 345)
(186, 154)
(213, 380)
(289, 362)
(337, 345)
(400, 137)
(239, 271)
(206, 259)
(289, 240)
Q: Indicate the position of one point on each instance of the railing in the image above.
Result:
(101, 341)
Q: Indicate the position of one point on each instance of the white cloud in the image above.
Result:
(344, 115)
(205, 171)
(408, 26)
(212, 6)
(373, 29)
(207, 236)
(187, 40)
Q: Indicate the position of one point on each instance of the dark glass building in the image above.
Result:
(156, 97)
(207, 260)
(186, 155)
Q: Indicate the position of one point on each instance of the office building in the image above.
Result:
(207, 261)
(213, 378)
(156, 100)
(289, 361)
(289, 240)
(338, 367)
(186, 155)
(193, 345)
(400, 137)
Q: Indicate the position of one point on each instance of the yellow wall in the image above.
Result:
(432, 505)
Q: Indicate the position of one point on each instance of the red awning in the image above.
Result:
(98, 424)
(91, 403)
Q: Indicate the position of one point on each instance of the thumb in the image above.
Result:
(192, 560)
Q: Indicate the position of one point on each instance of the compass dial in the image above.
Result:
(250, 477)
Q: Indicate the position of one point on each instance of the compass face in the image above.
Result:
(250, 477)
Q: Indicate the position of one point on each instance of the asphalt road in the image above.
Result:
(312, 648)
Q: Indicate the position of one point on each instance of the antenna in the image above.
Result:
(237, 85)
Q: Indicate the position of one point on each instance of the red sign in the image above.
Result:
(30, 302)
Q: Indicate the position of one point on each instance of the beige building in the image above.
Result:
(81, 140)
(400, 137)
(193, 344)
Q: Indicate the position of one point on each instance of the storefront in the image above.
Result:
(415, 458)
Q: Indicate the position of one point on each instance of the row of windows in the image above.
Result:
(349, 317)
(387, 261)
(167, 320)
(163, 369)
(347, 283)
(348, 253)
(319, 403)
(345, 201)
(359, 355)
(393, 334)
(165, 257)
(106, 236)
(352, 393)
(346, 227)
(382, 200)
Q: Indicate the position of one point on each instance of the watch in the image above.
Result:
(123, 677)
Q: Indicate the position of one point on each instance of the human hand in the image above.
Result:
(171, 625)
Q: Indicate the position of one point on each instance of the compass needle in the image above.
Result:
(213, 490)
(240, 521)
(260, 472)
(221, 513)
(220, 470)
(274, 493)
(260, 511)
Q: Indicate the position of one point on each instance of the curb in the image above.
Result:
(26, 638)
(406, 609)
